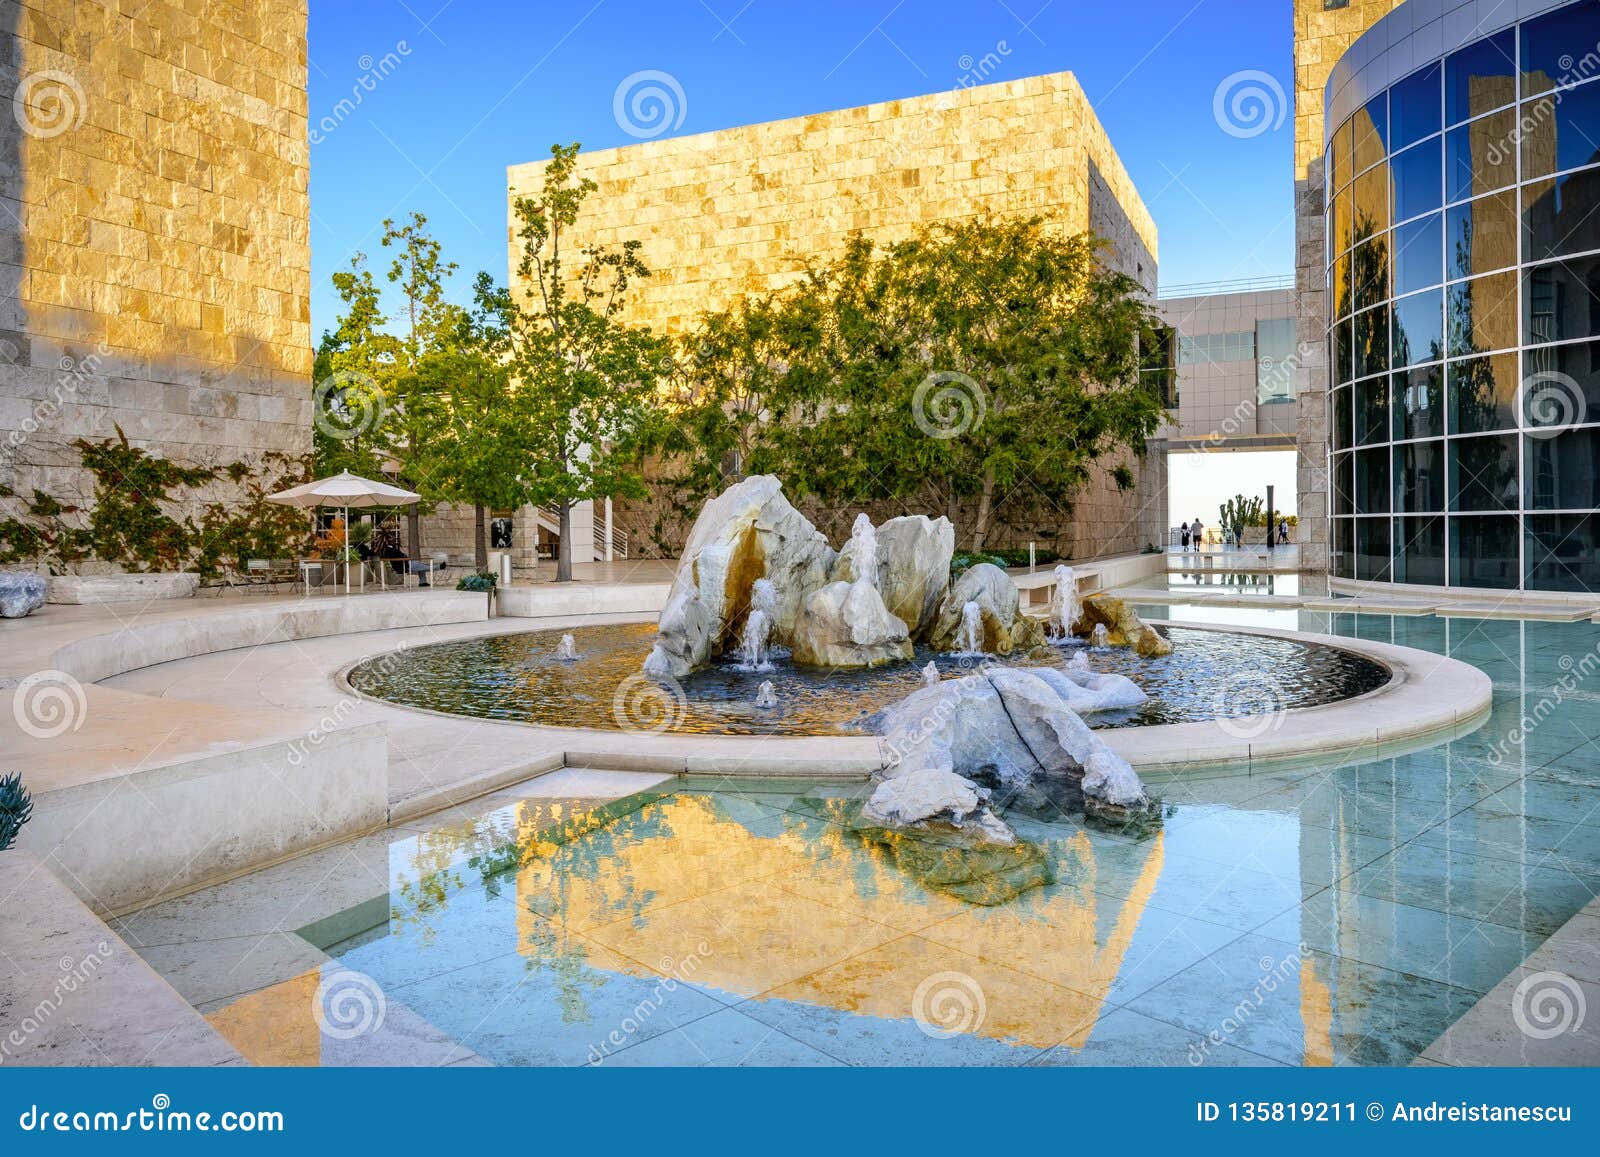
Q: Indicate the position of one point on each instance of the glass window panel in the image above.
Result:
(1481, 157)
(1548, 43)
(1372, 549)
(1483, 473)
(1481, 77)
(1561, 300)
(1419, 478)
(1369, 270)
(1481, 314)
(1481, 235)
(1561, 384)
(1483, 394)
(1372, 410)
(1561, 131)
(1343, 560)
(1562, 470)
(1344, 487)
(1372, 341)
(1343, 422)
(1341, 155)
(1563, 552)
(1341, 227)
(1418, 180)
(1417, 403)
(1561, 215)
(1372, 480)
(1419, 254)
(1344, 351)
(1339, 287)
(1370, 203)
(1484, 552)
(1418, 329)
(1275, 359)
(1415, 107)
(1419, 551)
(1370, 126)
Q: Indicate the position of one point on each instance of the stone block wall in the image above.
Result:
(1323, 30)
(154, 249)
(741, 211)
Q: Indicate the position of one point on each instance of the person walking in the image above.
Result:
(1198, 533)
(1183, 536)
(1283, 532)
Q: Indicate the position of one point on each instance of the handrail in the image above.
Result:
(1239, 285)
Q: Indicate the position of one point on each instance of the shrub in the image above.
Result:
(483, 580)
(16, 805)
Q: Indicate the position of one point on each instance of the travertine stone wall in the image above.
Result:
(1322, 33)
(154, 247)
(724, 214)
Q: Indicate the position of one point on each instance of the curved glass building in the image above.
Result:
(1462, 212)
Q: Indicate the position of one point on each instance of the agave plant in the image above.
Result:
(16, 805)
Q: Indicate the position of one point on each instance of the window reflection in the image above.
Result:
(1561, 131)
(1370, 204)
(1562, 471)
(1561, 215)
(1561, 300)
(1370, 127)
(1372, 481)
(1372, 341)
(1481, 157)
(1418, 329)
(1414, 108)
(1562, 384)
(1481, 77)
(1563, 552)
(1372, 549)
(1484, 551)
(1419, 254)
(1483, 473)
(1343, 429)
(1417, 403)
(1419, 478)
(1482, 314)
(1482, 235)
(1483, 394)
(1547, 42)
(1417, 180)
(1344, 487)
(1372, 410)
(1343, 561)
(1369, 269)
(1419, 551)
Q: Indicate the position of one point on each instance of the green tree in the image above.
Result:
(584, 379)
(976, 360)
(355, 363)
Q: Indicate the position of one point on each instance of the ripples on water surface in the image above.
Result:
(1209, 675)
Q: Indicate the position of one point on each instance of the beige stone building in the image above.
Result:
(154, 246)
(723, 214)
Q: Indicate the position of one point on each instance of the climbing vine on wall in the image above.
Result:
(133, 521)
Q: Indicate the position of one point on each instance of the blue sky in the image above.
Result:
(452, 91)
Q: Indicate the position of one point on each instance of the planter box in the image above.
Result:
(121, 588)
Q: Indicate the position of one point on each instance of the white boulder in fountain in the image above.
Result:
(846, 624)
(747, 532)
(930, 797)
(1012, 726)
(1087, 691)
(913, 556)
(1005, 627)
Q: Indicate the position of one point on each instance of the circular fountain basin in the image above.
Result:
(1210, 675)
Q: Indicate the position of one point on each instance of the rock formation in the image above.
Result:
(21, 593)
(1012, 728)
(914, 554)
(931, 798)
(1005, 628)
(1123, 625)
(749, 531)
(846, 624)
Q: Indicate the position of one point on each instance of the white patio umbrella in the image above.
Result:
(344, 490)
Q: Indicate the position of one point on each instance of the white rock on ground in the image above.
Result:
(749, 531)
(1005, 628)
(847, 625)
(1087, 691)
(21, 593)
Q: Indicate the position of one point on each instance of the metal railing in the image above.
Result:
(1239, 285)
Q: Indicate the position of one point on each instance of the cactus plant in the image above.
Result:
(1239, 512)
(16, 805)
